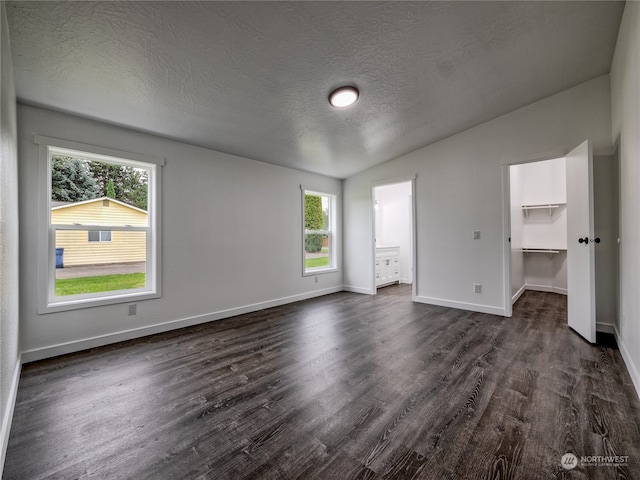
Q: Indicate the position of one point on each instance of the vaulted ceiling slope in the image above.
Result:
(252, 78)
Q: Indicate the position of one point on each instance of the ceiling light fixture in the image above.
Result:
(343, 97)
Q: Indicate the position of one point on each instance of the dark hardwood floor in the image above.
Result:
(343, 386)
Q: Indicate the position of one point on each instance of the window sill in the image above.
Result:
(79, 303)
(319, 271)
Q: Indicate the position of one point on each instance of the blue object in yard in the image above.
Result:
(59, 260)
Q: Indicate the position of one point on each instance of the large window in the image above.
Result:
(319, 232)
(101, 241)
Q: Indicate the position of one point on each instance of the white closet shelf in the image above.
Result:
(548, 206)
(549, 251)
(543, 250)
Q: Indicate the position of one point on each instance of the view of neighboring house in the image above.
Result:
(93, 247)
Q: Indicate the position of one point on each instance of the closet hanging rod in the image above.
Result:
(534, 207)
(549, 206)
(549, 252)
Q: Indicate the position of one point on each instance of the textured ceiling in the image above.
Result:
(252, 78)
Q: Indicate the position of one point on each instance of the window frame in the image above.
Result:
(48, 302)
(331, 232)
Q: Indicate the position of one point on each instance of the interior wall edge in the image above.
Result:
(7, 415)
(518, 294)
(10, 245)
(633, 370)
(111, 338)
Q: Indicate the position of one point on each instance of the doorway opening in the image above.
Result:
(566, 188)
(538, 218)
(393, 234)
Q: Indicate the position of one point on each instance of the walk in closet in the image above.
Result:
(538, 227)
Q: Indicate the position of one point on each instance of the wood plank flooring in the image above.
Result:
(344, 386)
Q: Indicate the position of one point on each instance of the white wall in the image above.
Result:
(459, 190)
(546, 273)
(9, 351)
(625, 100)
(231, 240)
(545, 183)
(393, 223)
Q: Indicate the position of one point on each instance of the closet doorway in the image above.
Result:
(393, 234)
(538, 196)
(551, 244)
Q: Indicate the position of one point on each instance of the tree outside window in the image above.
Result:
(77, 179)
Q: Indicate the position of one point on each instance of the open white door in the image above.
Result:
(581, 307)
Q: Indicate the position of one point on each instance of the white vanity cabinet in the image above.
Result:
(387, 265)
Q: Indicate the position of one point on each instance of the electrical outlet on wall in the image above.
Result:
(133, 308)
(477, 288)
(476, 234)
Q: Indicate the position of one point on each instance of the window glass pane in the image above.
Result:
(94, 236)
(317, 239)
(105, 236)
(316, 251)
(118, 263)
(313, 212)
(89, 192)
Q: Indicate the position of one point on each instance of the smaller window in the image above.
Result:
(318, 232)
(99, 236)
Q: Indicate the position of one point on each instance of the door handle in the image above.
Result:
(585, 240)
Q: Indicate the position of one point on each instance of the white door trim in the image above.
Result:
(506, 213)
(414, 274)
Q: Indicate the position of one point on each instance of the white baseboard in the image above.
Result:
(461, 305)
(364, 291)
(76, 346)
(7, 414)
(518, 294)
(546, 288)
(628, 361)
(605, 328)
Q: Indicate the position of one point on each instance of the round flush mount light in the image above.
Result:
(343, 97)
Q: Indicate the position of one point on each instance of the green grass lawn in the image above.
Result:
(316, 262)
(105, 283)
